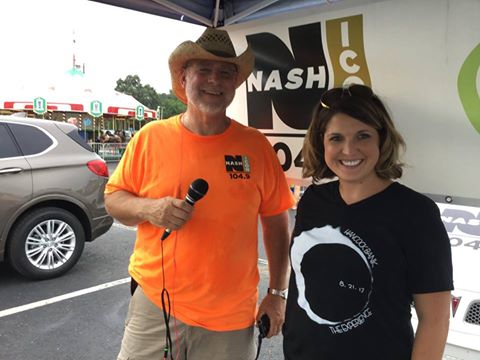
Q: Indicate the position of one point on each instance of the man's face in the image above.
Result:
(210, 85)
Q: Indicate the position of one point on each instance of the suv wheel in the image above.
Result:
(46, 243)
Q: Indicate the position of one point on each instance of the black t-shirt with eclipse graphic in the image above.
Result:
(354, 270)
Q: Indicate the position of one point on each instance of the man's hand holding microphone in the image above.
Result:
(182, 212)
(168, 212)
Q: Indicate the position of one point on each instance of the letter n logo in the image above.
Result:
(292, 82)
(233, 163)
(267, 85)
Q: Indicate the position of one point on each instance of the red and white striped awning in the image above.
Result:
(74, 98)
(120, 111)
(76, 107)
(28, 105)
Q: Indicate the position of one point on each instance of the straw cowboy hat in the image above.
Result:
(213, 44)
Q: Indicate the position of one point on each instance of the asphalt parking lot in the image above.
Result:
(80, 315)
(65, 318)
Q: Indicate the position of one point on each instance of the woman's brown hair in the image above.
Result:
(359, 102)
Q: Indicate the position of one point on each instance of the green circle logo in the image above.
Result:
(467, 87)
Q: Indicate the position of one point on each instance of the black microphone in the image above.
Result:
(197, 190)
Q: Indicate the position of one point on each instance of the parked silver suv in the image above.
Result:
(51, 196)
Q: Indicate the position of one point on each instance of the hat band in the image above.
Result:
(221, 53)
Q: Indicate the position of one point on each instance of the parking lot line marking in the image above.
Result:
(55, 299)
(73, 294)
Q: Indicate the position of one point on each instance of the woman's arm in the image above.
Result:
(433, 311)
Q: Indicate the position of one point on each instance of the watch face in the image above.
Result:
(281, 293)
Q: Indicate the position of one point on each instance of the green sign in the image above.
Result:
(39, 106)
(95, 108)
(139, 112)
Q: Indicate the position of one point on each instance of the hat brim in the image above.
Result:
(189, 50)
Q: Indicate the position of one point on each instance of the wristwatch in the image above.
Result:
(282, 293)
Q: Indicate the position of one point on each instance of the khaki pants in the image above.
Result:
(144, 337)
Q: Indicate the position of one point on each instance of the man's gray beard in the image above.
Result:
(213, 109)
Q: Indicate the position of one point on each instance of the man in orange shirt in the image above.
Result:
(205, 274)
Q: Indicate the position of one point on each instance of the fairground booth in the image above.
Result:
(73, 97)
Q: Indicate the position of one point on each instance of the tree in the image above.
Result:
(171, 105)
(149, 97)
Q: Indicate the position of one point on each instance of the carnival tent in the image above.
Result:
(73, 93)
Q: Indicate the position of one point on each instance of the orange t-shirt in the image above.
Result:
(210, 264)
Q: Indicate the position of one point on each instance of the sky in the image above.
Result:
(37, 38)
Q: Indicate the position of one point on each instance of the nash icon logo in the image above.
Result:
(291, 82)
(237, 163)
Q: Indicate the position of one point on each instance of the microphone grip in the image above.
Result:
(165, 234)
(189, 200)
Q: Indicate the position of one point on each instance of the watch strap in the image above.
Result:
(282, 293)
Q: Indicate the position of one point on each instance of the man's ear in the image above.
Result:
(183, 78)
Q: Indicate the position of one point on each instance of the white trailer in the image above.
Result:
(421, 56)
(423, 59)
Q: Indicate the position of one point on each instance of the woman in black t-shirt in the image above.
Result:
(364, 247)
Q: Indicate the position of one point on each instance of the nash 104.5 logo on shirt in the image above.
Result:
(285, 84)
(237, 166)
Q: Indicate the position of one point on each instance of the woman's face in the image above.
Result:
(351, 149)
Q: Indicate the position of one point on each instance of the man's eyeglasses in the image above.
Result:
(331, 97)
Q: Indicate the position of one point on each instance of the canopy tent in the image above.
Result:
(72, 93)
(216, 13)
(117, 104)
(71, 96)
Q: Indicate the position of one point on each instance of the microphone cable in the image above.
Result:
(166, 315)
(165, 294)
(263, 329)
(259, 346)
(196, 191)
